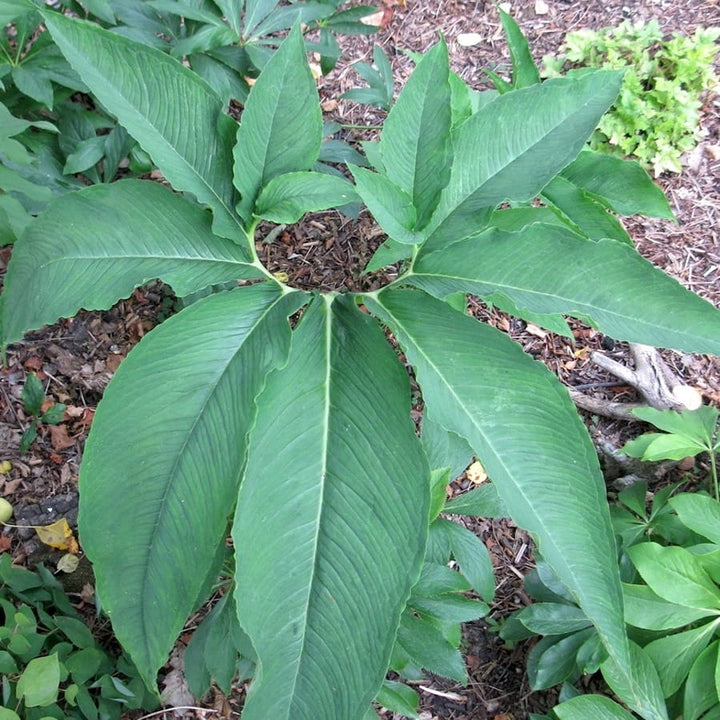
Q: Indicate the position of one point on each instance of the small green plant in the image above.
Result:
(686, 434)
(671, 572)
(656, 117)
(52, 666)
(33, 400)
(284, 414)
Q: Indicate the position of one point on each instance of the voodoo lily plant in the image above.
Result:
(284, 415)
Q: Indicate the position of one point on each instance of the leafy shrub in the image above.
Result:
(297, 433)
(672, 609)
(51, 664)
(657, 113)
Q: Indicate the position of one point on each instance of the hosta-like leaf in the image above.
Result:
(415, 142)
(525, 72)
(499, 155)
(605, 281)
(281, 126)
(622, 184)
(176, 117)
(92, 247)
(286, 198)
(389, 204)
(331, 519)
(164, 459)
(522, 425)
(597, 707)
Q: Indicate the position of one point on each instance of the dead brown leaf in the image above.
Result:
(59, 438)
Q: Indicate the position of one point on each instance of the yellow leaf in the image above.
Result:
(58, 535)
(5, 467)
(68, 563)
(476, 473)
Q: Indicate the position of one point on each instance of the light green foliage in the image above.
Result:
(283, 417)
(50, 662)
(657, 114)
(671, 572)
(687, 434)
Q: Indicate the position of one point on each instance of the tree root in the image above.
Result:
(661, 388)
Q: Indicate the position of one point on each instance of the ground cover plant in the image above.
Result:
(656, 117)
(297, 433)
(669, 568)
(51, 664)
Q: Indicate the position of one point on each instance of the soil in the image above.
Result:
(76, 358)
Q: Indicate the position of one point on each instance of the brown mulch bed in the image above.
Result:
(76, 358)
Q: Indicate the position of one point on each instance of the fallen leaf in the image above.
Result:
(58, 535)
(476, 473)
(5, 543)
(59, 438)
(68, 563)
(541, 7)
(330, 105)
(380, 19)
(5, 467)
(469, 39)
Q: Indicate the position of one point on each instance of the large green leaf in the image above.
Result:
(281, 128)
(164, 459)
(176, 117)
(524, 428)
(415, 142)
(513, 146)
(92, 247)
(622, 184)
(548, 269)
(331, 519)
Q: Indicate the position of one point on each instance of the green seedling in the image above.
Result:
(33, 400)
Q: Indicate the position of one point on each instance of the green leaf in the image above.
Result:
(700, 513)
(674, 655)
(33, 394)
(348, 508)
(482, 501)
(596, 707)
(622, 184)
(399, 698)
(426, 645)
(550, 618)
(212, 653)
(445, 449)
(700, 691)
(641, 690)
(449, 608)
(76, 631)
(645, 609)
(502, 401)
(553, 660)
(659, 446)
(415, 143)
(388, 253)
(525, 72)
(151, 547)
(174, 115)
(697, 424)
(582, 210)
(518, 156)
(38, 685)
(281, 126)
(635, 301)
(92, 247)
(675, 575)
(389, 204)
(473, 559)
(286, 198)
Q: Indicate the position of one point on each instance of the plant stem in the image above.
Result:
(714, 474)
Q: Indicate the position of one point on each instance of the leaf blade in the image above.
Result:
(221, 347)
(324, 640)
(126, 233)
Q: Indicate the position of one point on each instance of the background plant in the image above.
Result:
(51, 664)
(297, 434)
(33, 400)
(656, 117)
(669, 567)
